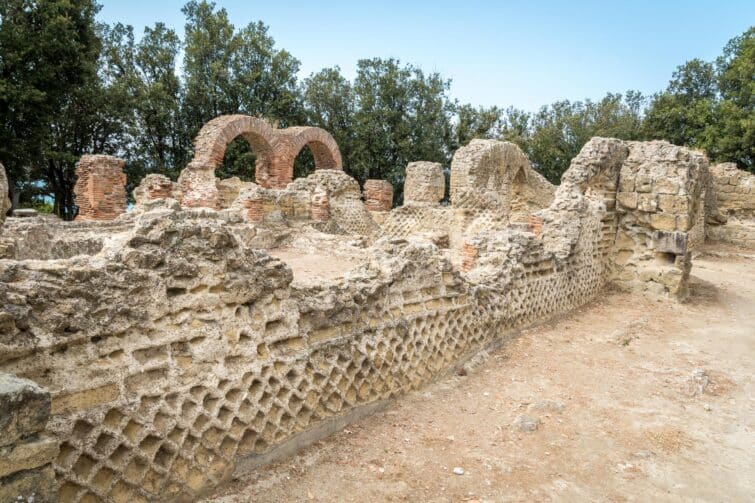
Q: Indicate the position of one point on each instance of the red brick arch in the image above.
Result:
(292, 140)
(213, 139)
(275, 151)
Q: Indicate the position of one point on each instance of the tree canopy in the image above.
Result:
(70, 86)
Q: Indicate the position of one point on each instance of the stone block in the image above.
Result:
(670, 242)
(27, 455)
(663, 221)
(36, 486)
(24, 408)
(627, 199)
(425, 183)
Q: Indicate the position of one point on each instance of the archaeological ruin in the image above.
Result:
(218, 325)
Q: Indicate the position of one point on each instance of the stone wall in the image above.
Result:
(734, 194)
(100, 188)
(181, 351)
(659, 199)
(26, 451)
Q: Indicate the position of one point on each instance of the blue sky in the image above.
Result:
(521, 53)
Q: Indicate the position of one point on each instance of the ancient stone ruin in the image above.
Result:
(221, 324)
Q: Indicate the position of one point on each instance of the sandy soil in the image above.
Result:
(636, 400)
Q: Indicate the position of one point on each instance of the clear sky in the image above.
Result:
(521, 53)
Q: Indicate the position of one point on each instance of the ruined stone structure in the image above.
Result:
(378, 195)
(221, 324)
(100, 188)
(4, 199)
(26, 451)
(275, 151)
(733, 204)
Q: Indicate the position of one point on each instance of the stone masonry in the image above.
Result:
(100, 188)
(425, 183)
(184, 345)
(378, 195)
(26, 452)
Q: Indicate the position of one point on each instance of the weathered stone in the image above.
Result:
(526, 423)
(4, 198)
(27, 455)
(425, 183)
(182, 343)
(24, 408)
(37, 486)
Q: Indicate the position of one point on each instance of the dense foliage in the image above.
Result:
(70, 86)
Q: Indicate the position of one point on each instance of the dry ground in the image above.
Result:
(638, 400)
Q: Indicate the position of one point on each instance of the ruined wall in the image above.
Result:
(226, 359)
(100, 188)
(26, 451)
(180, 351)
(492, 186)
(153, 187)
(659, 200)
(302, 202)
(734, 194)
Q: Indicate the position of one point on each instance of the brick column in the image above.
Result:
(469, 253)
(26, 453)
(320, 208)
(100, 188)
(378, 195)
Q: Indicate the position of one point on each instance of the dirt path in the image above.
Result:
(636, 400)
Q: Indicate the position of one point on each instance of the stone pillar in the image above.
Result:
(320, 208)
(155, 186)
(198, 187)
(100, 188)
(4, 199)
(425, 183)
(26, 453)
(378, 195)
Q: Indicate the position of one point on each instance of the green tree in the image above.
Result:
(682, 113)
(732, 138)
(48, 54)
(329, 103)
(476, 122)
(236, 72)
(402, 115)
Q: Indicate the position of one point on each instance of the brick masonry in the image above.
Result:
(100, 188)
(378, 195)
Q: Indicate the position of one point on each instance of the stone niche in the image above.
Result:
(100, 189)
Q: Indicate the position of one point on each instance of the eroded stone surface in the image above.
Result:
(186, 343)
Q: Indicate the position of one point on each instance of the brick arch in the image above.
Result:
(275, 151)
(292, 140)
(213, 139)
